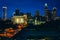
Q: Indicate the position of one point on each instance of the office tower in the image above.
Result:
(4, 12)
(29, 18)
(54, 12)
(47, 12)
(17, 12)
(37, 15)
(46, 9)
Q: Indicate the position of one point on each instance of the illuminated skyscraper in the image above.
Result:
(4, 12)
(47, 13)
(54, 12)
(46, 9)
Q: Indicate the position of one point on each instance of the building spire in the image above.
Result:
(46, 4)
(54, 8)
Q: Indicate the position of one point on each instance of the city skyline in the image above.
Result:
(29, 20)
(28, 6)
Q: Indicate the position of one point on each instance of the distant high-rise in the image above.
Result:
(54, 12)
(17, 12)
(46, 9)
(4, 12)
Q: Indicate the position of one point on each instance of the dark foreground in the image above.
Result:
(47, 31)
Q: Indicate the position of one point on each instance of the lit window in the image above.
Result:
(21, 20)
(17, 20)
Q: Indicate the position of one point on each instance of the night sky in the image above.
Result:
(28, 6)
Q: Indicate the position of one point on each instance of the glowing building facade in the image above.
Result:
(19, 20)
(4, 12)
